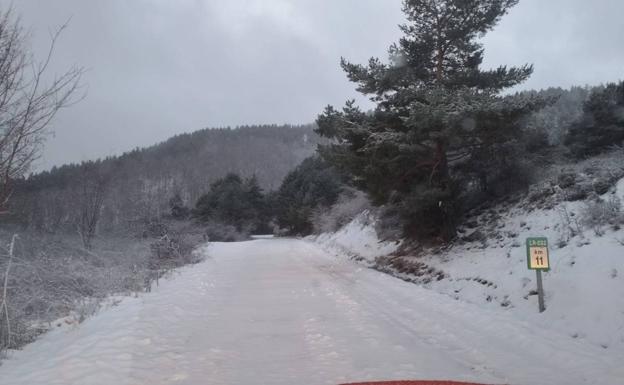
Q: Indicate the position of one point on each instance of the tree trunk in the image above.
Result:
(440, 173)
(5, 306)
(443, 182)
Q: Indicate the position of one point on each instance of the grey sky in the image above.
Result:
(161, 67)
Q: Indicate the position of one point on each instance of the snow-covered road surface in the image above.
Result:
(281, 311)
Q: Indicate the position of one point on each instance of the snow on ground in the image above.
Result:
(357, 239)
(619, 189)
(282, 311)
(584, 288)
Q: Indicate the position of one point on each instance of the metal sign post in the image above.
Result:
(540, 291)
(538, 260)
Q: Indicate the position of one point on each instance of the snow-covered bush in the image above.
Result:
(350, 203)
(54, 276)
(221, 232)
(171, 250)
(569, 225)
(599, 213)
(389, 224)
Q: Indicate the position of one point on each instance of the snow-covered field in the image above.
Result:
(283, 311)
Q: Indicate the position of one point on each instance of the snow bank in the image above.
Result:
(584, 288)
(357, 239)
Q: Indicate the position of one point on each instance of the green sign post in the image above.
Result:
(538, 260)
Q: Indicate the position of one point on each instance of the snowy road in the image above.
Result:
(284, 312)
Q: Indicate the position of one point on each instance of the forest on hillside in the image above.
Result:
(136, 187)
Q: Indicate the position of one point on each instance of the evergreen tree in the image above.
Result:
(440, 125)
(602, 123)
(178, 209)
(226, 202)
(312, 184)
(255, 196)
(234, 201)
(257, 213)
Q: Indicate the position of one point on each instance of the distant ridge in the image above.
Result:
(141, 182)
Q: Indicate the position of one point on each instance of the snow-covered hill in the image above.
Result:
(584, 289)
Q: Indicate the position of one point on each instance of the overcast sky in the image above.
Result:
(157, 68)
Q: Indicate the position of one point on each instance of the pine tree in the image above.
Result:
(314, 183)
(602, 123)
(178, 209)
(225, 203)
(256, 212)
(439, 117)
(236, 202)
(255, 197)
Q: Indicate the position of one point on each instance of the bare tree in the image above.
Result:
(91, 194)
(5, 332)
(28, 102)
